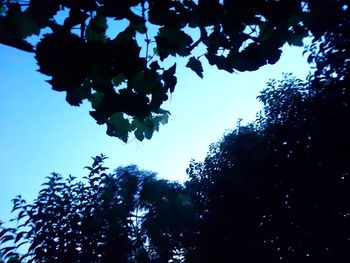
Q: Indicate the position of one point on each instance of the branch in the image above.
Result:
(203, 36)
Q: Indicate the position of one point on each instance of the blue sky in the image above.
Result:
(41, 133)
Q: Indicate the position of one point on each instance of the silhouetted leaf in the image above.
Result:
(169, 78)
(196, 66)
(96, 99)
(6, 251)
(6, 238)
(118, 126)
(20, 234)
(172, 41)
(96, 30)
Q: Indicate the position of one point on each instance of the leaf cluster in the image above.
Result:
(123, 80)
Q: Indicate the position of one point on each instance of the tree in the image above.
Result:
(126, 216)
(279, 193)
(125, 79)
(277, 190)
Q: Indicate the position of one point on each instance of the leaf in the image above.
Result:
(196, 66)
(7, 250)
(118, 79)
(118, 126)
(139, 26)
(125, 36)
(155, 51)
(164, 118)
(172, 41)
(296, 37)
(21, 214)
(58, 54)
(273, 55)
(126, 53)
(28, 26)
(76, 94)
(295, 40)
(159, 95)
(96, 99)
(169, 78)
(220, 61)
(149, 129)
(143, 129)
(154, 66)
(3, 232)
(96, 30)
(37, 241)
(6, 238)
(14, 27)
(141, 84)
(19, 236)
(159, 13)
(139, 134)
(42, 11)
(21, 23)
(63, 56)
(76, 17)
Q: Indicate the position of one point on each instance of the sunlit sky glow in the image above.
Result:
(41, 133)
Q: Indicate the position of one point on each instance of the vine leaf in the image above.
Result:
(21, 23)
(196, 66)
(97, 28)
(96, 99)
(63, 57)
(118, 126)
(169, 78)
(172, 41)
(143, 129)
(139, 26)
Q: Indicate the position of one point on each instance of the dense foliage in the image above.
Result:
(127, 76)
(124, 216)
(278, 190)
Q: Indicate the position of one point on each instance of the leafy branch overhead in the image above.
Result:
(126, 76)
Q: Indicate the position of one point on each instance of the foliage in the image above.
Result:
(271, 191)
(105, 218)
(278, 189)
(123, 79)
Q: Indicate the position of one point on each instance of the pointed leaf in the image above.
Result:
(196, 66)
(6, 238)
(118, 126)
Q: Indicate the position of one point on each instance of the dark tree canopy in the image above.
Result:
(278, 190)
(126, 77)
(124, 216)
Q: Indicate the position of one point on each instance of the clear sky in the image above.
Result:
(41, 133)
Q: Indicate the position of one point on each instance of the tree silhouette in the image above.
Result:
(277, 190)
(126, 216)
